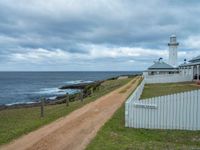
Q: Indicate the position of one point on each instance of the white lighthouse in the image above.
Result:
(173, 51)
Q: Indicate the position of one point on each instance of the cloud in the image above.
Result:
(58, 32)
(103, 51)
(93, 52)
(40, 56)
(192, 42)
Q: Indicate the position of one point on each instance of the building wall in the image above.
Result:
(168, 78)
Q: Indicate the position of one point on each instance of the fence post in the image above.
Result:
(91, 91)
(81, 95)
(98, 88)
(42, 108)
(67, 99)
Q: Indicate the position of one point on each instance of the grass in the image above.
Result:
(16, 122)
(113, 135)
(152, 90)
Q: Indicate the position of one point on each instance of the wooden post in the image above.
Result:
(67, 99)
(42, 108)
(97, 88)
(81, 95)
(91, 91)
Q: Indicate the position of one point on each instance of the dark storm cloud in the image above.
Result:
(78, 27)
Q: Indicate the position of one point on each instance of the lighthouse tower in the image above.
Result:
(173, 51)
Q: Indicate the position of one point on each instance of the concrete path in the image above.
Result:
(76, 130)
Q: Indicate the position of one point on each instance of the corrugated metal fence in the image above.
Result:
(176, 111)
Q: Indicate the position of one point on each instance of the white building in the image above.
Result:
(160, 67)
(162, 72)
(191, 68)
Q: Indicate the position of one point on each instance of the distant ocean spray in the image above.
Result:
(29, 87)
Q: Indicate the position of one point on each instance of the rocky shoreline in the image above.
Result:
(80, 85)
(85, 88)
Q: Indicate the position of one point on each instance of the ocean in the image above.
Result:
(28, 87)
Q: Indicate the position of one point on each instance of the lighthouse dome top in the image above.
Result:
(173, 36)
(173, 40)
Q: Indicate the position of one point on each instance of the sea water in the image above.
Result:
(29, 87)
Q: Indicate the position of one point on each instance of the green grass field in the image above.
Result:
(16, 122)
(151, 90)
(113, 135)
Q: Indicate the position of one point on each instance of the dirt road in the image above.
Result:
(74, 131)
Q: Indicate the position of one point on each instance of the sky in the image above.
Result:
(95, 35)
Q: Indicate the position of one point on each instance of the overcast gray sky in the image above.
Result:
(103, 35)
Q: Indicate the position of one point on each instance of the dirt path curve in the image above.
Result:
(74, 131)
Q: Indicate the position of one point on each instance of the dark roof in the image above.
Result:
(189, 64)
(160, 65)
(195, 59)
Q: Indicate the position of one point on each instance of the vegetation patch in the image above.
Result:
(152, 90)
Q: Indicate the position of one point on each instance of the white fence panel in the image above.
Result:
(134, 96)
(176, 111)
(168, 78)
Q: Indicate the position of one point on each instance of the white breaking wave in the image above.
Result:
(16, 103)
(77, 82)
(56, 91)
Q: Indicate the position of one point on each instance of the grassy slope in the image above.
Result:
(16, 122)
(151, 90)
(115, 136)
